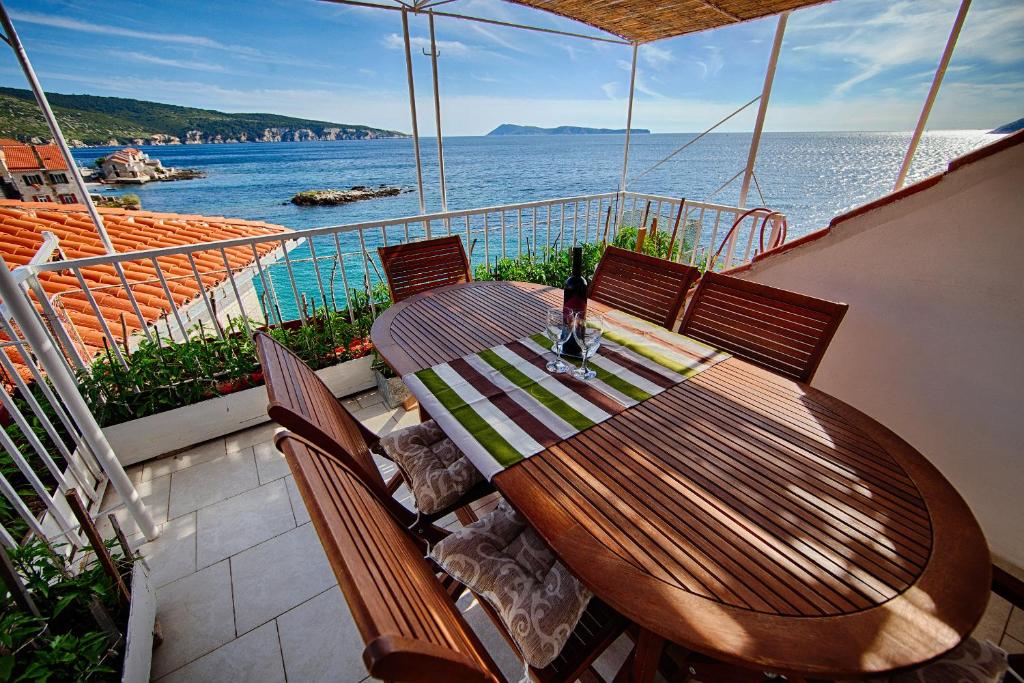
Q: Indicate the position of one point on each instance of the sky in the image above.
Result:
(846, 65)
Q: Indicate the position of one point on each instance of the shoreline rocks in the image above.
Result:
(354, 194)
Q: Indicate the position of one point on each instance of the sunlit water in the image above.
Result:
(808, 176)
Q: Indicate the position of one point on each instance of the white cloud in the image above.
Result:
(176, 63)
(111, 30)
(656, 57)
(904, 34)
(711, 63)
(640, 84)
(393, 41)
(610, 89)
(189, 40)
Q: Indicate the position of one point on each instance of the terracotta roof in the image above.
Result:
(52, 159)
(21, 227)
(19, 157)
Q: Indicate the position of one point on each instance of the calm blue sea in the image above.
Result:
(808, 176)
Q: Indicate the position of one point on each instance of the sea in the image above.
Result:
(810, 177)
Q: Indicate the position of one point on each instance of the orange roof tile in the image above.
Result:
(53, 160)
(21, 228)
(20, 157)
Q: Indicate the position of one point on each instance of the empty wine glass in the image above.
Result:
(556, 331)
(587, 331)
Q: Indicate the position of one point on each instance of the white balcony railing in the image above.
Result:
(323, 266)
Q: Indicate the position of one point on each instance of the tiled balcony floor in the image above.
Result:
(244, 591)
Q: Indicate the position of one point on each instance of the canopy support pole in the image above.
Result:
(629, 127)
(437, 115)
(412, 109)
(922, 121)
(762, 109)
(12, 39)
(20, 308)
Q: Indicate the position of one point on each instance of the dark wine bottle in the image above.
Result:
(574, 302)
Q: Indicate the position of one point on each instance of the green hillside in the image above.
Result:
(95, 120)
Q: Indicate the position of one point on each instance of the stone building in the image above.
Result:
(35, 173)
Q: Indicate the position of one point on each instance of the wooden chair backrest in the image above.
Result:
(302, 403)
(418, 266)
(411, 628)
(649, 288)
(785, 332)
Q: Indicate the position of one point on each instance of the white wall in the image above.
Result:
(933, 343)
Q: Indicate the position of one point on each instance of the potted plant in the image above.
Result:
(68, 621)
(391, 387)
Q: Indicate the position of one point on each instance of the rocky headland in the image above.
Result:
(354, 194)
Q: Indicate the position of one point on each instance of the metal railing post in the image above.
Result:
(53, 364)
(437, 115)
(629, 126)
(412, 110)
(762, 107)
(933, 92)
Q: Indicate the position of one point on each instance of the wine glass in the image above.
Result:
(587, 330)
(555, 329)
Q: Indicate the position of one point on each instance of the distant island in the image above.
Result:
(1009, 127)
(90, 120)
(512, 129)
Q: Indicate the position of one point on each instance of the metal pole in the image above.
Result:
(412, 109)
(53, 364)
(11, 38)
(629, 126)
(437, 116)
(762, 109)
(947, 54)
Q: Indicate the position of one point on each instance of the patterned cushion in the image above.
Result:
(438, 473)
(504, 561)
(972, 661)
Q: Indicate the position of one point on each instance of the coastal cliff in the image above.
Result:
(89, 120)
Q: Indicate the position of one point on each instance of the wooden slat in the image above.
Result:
(650, 288)
(411, 628)
(782, 331)
(421, 266)
(742, 514)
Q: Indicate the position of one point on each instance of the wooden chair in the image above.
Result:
(649, 288)
(300, 402)
(402, 608)
(779, 330)
(419, 266)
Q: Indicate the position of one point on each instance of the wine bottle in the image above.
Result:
(574, 302)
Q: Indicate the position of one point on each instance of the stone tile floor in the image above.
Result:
(244, 591)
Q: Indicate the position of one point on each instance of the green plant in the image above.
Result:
(162, 375)
(550, 267)
(66, 641)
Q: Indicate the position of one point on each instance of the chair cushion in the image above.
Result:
(972, 661)
(438, 473)
(504, 561)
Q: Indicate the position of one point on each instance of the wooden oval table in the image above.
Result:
(739, 514)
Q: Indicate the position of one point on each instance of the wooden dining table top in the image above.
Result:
(739, 514)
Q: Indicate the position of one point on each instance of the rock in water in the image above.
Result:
(354, 194)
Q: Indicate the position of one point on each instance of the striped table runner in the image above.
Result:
(500, 405)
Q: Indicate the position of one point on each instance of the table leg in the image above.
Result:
(646, 656)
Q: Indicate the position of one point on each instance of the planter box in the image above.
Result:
(173, 430)
(138, 649)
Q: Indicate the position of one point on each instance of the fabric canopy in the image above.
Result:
(643, 21)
